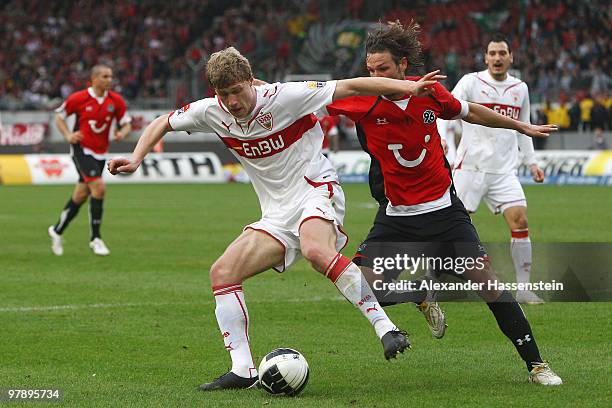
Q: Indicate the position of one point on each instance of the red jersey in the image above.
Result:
(402, 138)
(94, 116)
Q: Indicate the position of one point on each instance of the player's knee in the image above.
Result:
(316, 254)
(80, 197)
(98, 189)
(521, 222)
(221, 273)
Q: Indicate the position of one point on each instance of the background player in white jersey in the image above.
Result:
(272, 132)
(487, 159)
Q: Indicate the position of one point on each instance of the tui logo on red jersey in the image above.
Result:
(93, 125)
(395, 148)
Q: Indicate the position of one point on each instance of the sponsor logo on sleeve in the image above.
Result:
(182, 110)
(315, 84)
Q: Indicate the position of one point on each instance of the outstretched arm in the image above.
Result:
(149, 138)
(385, 86)
(481, 115)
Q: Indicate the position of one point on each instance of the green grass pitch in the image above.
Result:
(137, 328)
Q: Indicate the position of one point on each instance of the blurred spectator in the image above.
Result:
(607, 103)
(558, 45)
(559, 115)
(539, 143)
(48, 46)
(599, 114)
(586, 104)
(599, 142)
(574, 114)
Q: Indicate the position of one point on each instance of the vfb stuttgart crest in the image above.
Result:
(265, 121)
(429, 117)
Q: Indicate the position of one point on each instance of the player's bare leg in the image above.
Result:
(520, 248)
(98, 190)
(71, 209)
(513, 323)
(80, 193)
(318, 246)
(251, 253)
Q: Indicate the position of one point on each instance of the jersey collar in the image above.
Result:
(401, 103)
(486, 76)
(100, 99)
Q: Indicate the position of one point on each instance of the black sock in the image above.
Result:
(396, 298)
(68, 213)
(514, 325)
(95, 216)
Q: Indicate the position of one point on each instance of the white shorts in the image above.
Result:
(499, 191)
(317, 203)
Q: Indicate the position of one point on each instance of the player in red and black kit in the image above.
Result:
(329, 126)
(411, 180)
(95, 108)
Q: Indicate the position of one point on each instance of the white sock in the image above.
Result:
(352, 284)
(233, 319)
(520, 248)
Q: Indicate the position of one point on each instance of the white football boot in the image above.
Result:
(57, 242)
(542, 374)
(435, 318)
(99, 247)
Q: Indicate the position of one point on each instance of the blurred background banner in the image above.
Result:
(561, 50)
(196, 167)
(560, 167)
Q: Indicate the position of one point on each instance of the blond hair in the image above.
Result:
(228, 67)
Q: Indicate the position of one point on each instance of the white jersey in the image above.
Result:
(278, 144)
(493, 150)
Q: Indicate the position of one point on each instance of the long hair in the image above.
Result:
(400, 41)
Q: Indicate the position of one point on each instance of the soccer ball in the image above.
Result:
(283, 371)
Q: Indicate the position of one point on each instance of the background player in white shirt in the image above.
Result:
(272, 132)
(487, 159)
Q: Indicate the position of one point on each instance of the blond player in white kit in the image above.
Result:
(487, 159)
(272, 132)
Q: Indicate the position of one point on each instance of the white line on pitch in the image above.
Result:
(144, 304)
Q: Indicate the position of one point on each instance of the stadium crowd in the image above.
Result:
(562, 48)
(49, 47)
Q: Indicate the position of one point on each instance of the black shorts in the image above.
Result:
(88, 167)
(443, 234)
